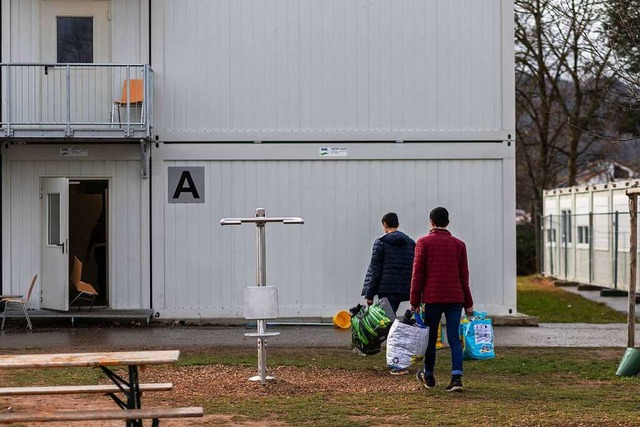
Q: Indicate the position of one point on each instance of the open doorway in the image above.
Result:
(88, 234)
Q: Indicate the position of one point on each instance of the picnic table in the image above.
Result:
(130, 387)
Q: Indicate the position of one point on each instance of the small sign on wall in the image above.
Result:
(74, 151)
(186, 184)
(333, 151)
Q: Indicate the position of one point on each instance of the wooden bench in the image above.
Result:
(154, 414)
(79, 389)
(129, 407)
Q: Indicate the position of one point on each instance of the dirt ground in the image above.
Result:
(192, 385)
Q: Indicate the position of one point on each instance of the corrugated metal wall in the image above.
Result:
(20, 24)
(129, 210)
(300, 71)
(201, 268)
(21, 30)
(129, 31)
(330, 69)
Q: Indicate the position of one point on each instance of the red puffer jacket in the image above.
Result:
(440, 270)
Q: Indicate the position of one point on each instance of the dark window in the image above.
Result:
(566, 226)
(75, 39)
(54, 219)
(583, 234)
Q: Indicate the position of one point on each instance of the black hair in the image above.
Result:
(391, 219)
(439, 216)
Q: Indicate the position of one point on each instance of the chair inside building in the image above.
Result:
(86, 291)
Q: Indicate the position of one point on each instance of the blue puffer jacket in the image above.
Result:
(391, 265)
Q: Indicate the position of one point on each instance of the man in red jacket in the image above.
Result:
(441, 281)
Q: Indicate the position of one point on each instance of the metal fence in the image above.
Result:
(588, 248)
(41, 100)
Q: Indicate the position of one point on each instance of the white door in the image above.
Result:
(75, 31)
(54, 209)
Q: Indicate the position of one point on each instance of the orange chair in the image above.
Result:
(85, 290)
(22, 302)
(136, 99)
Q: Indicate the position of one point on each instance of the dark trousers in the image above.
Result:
(452, 314)
(394, 301)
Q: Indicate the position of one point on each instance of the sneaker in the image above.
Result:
(398, 371)
(429, 381)
(455, 384)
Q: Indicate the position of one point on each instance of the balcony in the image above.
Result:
(76, 101)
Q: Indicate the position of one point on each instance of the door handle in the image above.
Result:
(46, 70)
(61, 245)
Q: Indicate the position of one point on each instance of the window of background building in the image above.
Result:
(583, 234)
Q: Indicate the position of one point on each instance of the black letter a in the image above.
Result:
(191, 188)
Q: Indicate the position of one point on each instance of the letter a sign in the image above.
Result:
(186, 184)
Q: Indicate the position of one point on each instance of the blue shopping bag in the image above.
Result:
(476, 334)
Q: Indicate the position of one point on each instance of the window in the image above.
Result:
(566, 226)
(74, 39)
(53, 237)
(583, 234)
(551, 235)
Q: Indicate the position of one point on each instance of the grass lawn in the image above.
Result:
(334, 387)
(519, 387)
(540, 297)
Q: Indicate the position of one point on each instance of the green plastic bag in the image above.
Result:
(370, 326)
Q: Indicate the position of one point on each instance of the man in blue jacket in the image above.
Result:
(389, 272)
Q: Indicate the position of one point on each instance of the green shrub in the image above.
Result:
(525, 249)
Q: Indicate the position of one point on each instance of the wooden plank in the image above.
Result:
(115, 414)
(106, 388)
(64, 360)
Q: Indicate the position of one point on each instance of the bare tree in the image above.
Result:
(622, 27)
(622, 24)
(561, 91)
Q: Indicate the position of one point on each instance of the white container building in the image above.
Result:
(586, 234)
(336, 111)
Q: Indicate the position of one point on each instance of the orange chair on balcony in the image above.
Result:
(135, 100)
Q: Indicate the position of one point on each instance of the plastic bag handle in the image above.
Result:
(477, 315)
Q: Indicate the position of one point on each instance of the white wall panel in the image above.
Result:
(126, 25)
(201, 267)
(330, 69)
(19, 43)
(582, 266)
(601, 220)
(21, 32)
(129, 255)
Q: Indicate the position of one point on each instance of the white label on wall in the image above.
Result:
(186, 184)
(333, 151)
(74, 151)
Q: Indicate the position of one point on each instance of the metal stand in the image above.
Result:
(261, 313)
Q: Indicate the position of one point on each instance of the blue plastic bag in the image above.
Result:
(476, 334)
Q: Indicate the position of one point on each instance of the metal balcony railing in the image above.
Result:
(110, 101)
